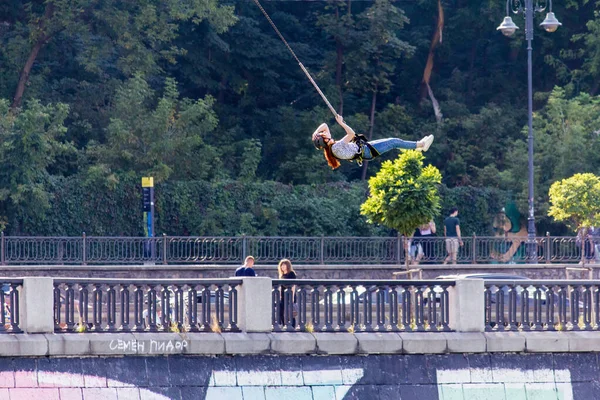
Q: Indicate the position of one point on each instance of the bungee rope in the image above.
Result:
(294, 55)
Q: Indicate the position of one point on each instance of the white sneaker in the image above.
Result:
(426, 141)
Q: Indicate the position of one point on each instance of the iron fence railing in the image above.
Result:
(84, 250)
(552, 305)
(9, 304)
(360, 306)
(144, 305)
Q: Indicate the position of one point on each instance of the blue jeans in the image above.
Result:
(383, 145)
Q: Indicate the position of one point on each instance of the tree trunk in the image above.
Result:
(437, 39)
(338, 74)
(24, 77)
(41, 41)
(583, 243)
(469, 96)
(595, 88)
(222, 87)
(366, 162)
(407, 252)
(338, 67)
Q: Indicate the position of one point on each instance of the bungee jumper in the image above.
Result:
(352, 146)
(356, 147)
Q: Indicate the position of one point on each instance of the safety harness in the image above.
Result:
(362, 142)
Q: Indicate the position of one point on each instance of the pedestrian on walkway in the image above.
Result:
(246, 269)
(287, 293)
(453, 236)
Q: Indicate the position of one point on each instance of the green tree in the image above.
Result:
(592, 50)
(128, 36)
(403, 194)
(165, 140)
(566, 142)
(377, 45)
(576, 201)
(578, 63)
(337, 22)
(30, 145)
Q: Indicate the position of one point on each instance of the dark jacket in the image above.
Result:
(245, 271)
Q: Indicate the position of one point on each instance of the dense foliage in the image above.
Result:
(236, 208)
(576, 200)
(203, 96)
(404, 194)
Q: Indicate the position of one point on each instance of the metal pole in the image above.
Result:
(164, 257)
(531, 246)
(322, 250)
(399, 249)
(548, 248)
(474, 249)
(244, 248)
(2, 250)
(84, 249)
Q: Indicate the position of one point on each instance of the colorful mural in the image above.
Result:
(444, 377)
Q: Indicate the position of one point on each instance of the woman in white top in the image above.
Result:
(427, 230)
(356, 147)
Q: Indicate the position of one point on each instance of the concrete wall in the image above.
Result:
(537, 271)
(259, 377)
(310, 366)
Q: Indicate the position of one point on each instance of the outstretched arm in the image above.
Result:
(349, 131)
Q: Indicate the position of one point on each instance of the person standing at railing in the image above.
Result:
(420, 248)
(453, 235)
(286, 271)
(427, 231)
(246, 269)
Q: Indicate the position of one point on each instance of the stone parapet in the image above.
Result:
(96, 344)
(379, 343)
(306, 271)
(245, 343)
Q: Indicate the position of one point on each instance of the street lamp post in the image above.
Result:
(508, 28)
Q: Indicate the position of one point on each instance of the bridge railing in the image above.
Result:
(9, 305)
(360, 305)
(142, 305)
(260, 304)
(552, 305)
(15, 250)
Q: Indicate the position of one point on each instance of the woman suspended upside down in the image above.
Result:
(356, 147)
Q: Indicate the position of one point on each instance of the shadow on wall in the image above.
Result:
(456, 376)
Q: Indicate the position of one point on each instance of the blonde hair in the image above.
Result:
(281, 263)
(248, 258)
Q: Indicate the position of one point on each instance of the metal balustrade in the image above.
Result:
(184, 249)
(15, 250)
(300, 305)
(553, 305)
(9, 304)
(39, 250)
(143, 305)
(360, 305)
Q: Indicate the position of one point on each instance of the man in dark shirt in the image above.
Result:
(453, 236)
(246, 269)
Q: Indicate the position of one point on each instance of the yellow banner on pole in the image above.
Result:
(147, 181)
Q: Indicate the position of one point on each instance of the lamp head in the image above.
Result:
(507, 27)
(550, 23)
